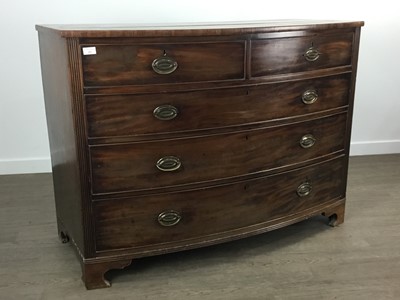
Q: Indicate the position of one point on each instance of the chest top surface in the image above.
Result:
(192, 29)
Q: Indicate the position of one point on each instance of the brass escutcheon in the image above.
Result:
(307, 141)
(169, 218)
(312, 54)
(168, 163)
(304, 189)
(165, 112)
(309, 96)
(164, 65)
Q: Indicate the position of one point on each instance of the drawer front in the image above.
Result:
(133, 115)
(170, 218)
(163, 63)
(136, 166)
(288, 55)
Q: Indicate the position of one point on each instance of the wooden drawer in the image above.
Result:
(126, 167)
(133, 115)
(289, 55)
(127, 64)
(126, 223)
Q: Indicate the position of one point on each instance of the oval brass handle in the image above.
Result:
(309, 96)
(304, 189)
(169, 218)
(168, 163)
(307, 141)
(165, 112)
(312, 54)
(164, 65)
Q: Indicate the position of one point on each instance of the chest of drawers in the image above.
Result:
(170, 138)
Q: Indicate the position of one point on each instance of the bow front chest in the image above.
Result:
(166, 138)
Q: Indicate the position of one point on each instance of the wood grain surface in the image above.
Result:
(358, 260)
(125, 167)
(132, 115)
(131, 64)
(287, 55)
(130, 223)
(191, 29)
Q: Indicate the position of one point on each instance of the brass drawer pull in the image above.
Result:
(312, 54)
(309, 96)
(165, 112)
(304, 189)
(164, 65)
(307, 141)
(169, 218)
(168, 164)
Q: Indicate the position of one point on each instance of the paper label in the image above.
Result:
(89, 50)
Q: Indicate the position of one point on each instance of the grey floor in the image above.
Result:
(309, 260)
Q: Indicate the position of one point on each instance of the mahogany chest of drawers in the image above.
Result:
(170, 138)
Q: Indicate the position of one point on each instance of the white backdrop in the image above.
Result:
(23, 134)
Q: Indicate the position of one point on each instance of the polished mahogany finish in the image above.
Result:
(125, 167)
(286, 55)
(129, 64)
(167, 138)
(132, 222)
(132, 115)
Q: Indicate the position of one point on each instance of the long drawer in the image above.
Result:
(135, 115)
(132, 64)
(173, 217)
(155, 164)
(298, 54)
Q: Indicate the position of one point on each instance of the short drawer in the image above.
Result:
(157, 164)
(175, 217)
(298, 54)
(135, 115)
(163, 63)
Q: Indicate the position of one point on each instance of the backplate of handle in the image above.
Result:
(168, 164)
(164, 65)
(312, 54)
(309, 97)
(169, 218)
(165, 112)
(307, 141)
(304, 189)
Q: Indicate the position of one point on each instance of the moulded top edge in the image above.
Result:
(192, 29)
